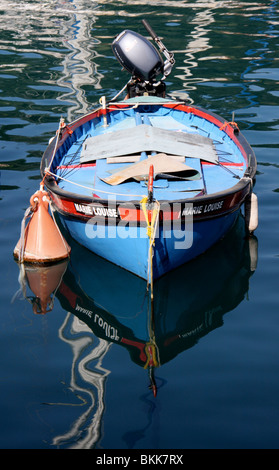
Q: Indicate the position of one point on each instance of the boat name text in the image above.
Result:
(96, 210)
(193, 210)
(111, 212)
(109, 330)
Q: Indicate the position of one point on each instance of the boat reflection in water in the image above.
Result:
(107, 302)
(188, 303)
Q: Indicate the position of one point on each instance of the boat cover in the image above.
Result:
(162, 163)
(145, 138)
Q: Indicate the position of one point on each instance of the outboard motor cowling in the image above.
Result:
(138, 56)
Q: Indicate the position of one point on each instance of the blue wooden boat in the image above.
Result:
(148, 182)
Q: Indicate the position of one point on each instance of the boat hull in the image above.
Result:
(128, 247)
(118, 228)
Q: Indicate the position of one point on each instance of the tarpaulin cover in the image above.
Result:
(145, 138)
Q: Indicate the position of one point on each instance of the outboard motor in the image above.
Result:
(143, 61)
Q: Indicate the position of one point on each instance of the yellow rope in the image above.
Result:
(152, 225)
(151, 232)
(151, 349)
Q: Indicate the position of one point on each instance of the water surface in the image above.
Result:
(65, 380)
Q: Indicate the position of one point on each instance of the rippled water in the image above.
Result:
(63, 384)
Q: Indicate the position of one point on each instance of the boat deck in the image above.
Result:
(85, 177)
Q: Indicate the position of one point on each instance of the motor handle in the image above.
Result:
(150, 30)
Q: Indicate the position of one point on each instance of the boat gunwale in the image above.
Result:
(232, 201)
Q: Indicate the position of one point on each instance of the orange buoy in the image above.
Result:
(44, 281)
(41, 240)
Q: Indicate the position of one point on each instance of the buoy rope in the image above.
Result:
(58, 132)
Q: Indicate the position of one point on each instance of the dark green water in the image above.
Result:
(63, 384)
